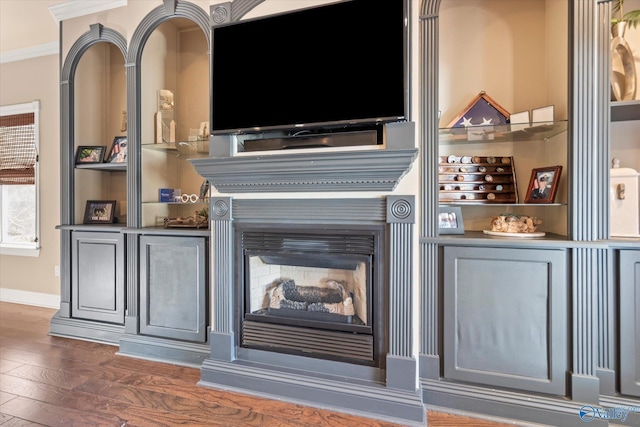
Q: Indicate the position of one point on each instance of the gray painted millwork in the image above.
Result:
(173, 287)
(590, 287)
(580, 294)
(227, 367)
(504, 317)
(97, 278)
(360, 170)
(629, 322)
(63, 323)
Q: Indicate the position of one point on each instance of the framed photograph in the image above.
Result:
(99, 212)
(89, 154)
(543, 184)
(450, 220)
(118, 153)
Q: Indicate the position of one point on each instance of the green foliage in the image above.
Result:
(631, 18)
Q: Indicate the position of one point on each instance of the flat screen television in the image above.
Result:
(324, 67)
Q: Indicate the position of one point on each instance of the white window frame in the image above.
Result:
(26, 249)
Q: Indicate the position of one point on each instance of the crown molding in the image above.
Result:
(46, 49)
(76, 8)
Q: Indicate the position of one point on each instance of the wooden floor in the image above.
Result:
(54, 381)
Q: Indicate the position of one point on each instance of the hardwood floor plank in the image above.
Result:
(180, 387)
(52, 415)
(8, 365)
(55, 381)
(5, 397)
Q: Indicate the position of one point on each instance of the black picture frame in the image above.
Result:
(100, 212)
(87, 154)
(550, 176)
(450, 220)
(118, 152)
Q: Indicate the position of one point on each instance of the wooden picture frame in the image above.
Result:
(89, 154)
(450, 220)
(543, 184)
(118, 152)
(100, 212)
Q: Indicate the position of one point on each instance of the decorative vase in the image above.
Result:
(623, 67)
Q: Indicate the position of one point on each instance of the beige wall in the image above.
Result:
(26, 81)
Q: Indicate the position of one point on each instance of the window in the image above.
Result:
(19, 214)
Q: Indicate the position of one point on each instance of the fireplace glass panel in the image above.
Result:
(307, 287)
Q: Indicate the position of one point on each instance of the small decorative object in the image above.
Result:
(623, 201)
(623, 68)
(470, 183)
(543, 115)
(508, 224)
(89, 154)
(169, 195)
(186, 198)
(200, 219)
(204, 189)
(123, 126)
(481, 111)
(99, 212)
(118, 153)
(450, 220)
(543, 184)
(165, 124)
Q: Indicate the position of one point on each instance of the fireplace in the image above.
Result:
(316, 293)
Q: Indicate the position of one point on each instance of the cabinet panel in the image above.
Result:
(630, 322)
(97, 280)
(173, 282)
(505, 320)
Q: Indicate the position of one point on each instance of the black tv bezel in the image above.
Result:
(292, 129)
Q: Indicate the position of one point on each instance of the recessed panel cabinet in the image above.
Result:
(173, 287)
(505, 320)
(98, 276)
(630, 322)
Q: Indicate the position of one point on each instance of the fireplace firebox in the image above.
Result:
(316, 293)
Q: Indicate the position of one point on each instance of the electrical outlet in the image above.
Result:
(56, 270)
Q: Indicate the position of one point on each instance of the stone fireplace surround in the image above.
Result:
(389, 392)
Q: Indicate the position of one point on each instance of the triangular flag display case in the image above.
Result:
(482, 110)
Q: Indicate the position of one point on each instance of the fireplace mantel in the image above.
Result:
(313, 170)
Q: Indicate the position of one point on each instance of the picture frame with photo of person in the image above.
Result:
(450, 220)
(89, 154)
(118, 152)
(543, 185)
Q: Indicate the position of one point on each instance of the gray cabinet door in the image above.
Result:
(98, 276)
(630, 322)
(173, 283)
(505, 317)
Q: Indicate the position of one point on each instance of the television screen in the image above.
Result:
(335, 64)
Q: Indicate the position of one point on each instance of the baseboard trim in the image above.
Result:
(533, 409)
(361, 398)
(37, 299)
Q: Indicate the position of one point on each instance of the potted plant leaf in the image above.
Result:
(631, 18)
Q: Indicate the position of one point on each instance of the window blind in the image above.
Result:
(18, 153)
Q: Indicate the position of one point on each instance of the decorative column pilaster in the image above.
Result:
(429, 72)
(222, 333)
(401, 365)
(587, 205)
